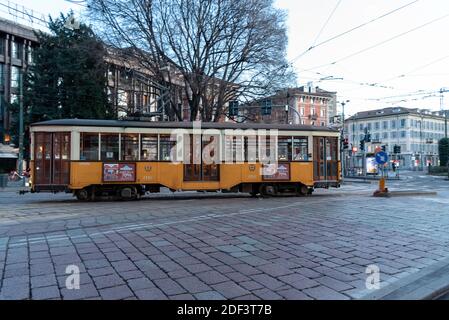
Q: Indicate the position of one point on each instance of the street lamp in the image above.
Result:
(342, 155)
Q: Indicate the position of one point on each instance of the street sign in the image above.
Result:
(381, 157)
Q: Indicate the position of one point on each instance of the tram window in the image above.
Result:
(284, 148)
(300, 149)
(251, 149)
(89, 146)
(109, 147)
(149, 147)
(130, 147)
(166, 145)
(267, 149)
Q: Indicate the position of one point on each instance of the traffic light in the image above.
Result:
(368, 137)
(384, 148)
(346, 144)
(266, 107)
(233, 108)
(362, 145)
(397, 149)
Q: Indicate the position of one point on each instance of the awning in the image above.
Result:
(8, 152)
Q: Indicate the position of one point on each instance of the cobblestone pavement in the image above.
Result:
(196, 246)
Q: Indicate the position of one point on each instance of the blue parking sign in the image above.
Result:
(381, 157)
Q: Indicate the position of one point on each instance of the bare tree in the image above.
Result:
(223, 49)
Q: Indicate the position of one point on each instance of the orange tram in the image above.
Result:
(127, 159)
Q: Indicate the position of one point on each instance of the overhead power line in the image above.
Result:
(353, 29)
(327, 22)
(380, 43)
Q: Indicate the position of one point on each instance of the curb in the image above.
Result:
(427, 284)
(412, 193)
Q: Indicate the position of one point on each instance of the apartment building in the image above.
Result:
(308, 105)
(16, 45)
(416, 131)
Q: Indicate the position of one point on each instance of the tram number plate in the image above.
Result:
(119, 172)
(276, 172)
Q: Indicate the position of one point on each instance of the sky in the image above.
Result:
(363, 66)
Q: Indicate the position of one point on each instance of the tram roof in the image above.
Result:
(176, 125)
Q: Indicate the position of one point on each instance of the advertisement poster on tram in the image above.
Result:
(276, 172)
(119, 172)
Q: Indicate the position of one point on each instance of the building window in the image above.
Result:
(323, 112)
(393, 124)
(301, 110)
(148, 147)
(130, 147)
(403, 123)
(2, 74)
(300, 149)
(109, 147)
(89, 146)
(394, 135)
(385, 124)
(377, 125)
(15, 77)
(16, 50)
(369, 126)
(361, 127)
(2, 46)
(403, 134)
(385, 135)
(323, 124)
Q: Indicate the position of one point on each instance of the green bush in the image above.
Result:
(437, 170)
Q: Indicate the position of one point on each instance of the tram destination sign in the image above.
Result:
(119, 172)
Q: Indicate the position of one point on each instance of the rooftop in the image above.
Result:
(394, 111)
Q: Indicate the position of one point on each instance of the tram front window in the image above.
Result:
(109, 147)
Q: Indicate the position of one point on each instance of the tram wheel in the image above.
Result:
(82, 195)
(302, 190)
(127, 193)
(266, 190)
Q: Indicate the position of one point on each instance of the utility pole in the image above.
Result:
(21, 122)
(442, 91)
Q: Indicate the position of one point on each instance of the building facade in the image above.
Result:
(307, 106)
(16, 45)
(416, 131)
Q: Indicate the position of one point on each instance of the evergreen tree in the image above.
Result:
(443, 148)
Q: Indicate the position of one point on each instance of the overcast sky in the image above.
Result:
(399, 68)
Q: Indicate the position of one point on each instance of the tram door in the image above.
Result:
(199, 168)
(52, 158)
(325, 164)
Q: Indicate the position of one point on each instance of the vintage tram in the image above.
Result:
(127, 159)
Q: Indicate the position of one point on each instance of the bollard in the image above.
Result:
(382, 191)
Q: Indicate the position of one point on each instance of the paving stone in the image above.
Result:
(140, 283)
(150, 294)
(209, 295)
(85, 291)
(230, 290)
(43, 293)
(108, 281)
(293, 294)
(193, 285)
(169, 287)
(211, 277)
(116, 293)
(268, 281)
(325, 293)
(43, 281)
(334, 284)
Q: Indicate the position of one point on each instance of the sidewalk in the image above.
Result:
(428, 284)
